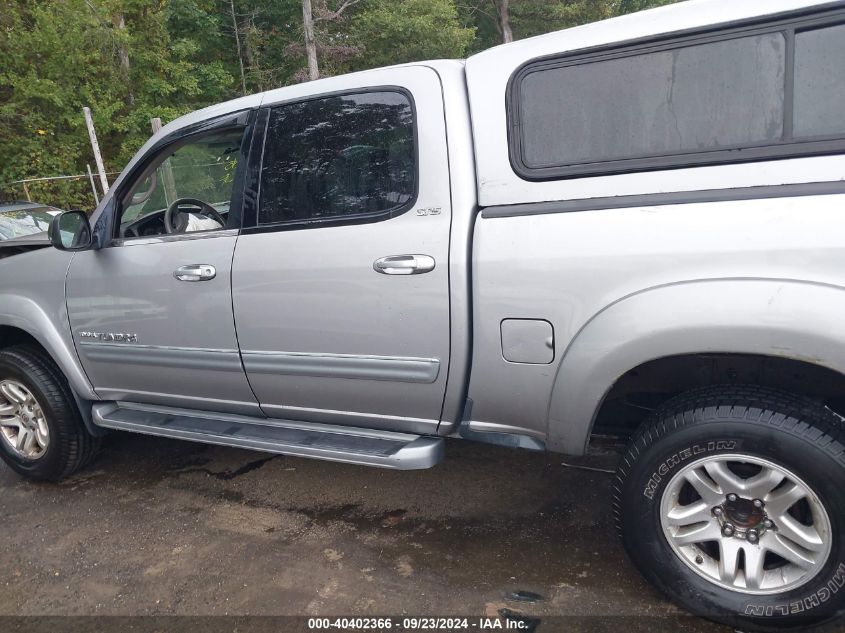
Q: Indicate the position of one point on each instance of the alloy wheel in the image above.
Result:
(23, 425)
(746, 524)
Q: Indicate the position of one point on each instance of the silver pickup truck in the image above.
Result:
(634, 228)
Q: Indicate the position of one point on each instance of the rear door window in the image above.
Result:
(339, 157)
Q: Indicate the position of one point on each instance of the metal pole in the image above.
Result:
(310, 41)
(167, 169)
(96, 147)
(93, 184)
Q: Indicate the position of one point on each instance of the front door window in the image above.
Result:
(187, 188)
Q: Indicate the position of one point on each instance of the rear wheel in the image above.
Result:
(42, 435)
(732, 501)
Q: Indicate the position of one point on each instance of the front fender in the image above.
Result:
(25, 314)
(32, 299)
(786, 318)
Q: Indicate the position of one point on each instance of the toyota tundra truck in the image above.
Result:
(634, 229)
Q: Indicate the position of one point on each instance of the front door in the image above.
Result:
(151, 313)
(341, 288)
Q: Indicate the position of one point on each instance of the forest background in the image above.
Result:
(132, 60)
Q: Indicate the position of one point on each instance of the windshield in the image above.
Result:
(25, 222)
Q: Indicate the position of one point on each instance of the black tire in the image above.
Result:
(71, 447)
(787, 430)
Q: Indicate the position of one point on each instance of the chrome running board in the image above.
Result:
(384, 449)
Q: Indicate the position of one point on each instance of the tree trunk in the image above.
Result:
(123, 56)
(310, 41)
(238, 45)
(249, 54)
(503, 9)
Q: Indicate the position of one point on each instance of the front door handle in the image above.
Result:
(195, 272)
(404, 264)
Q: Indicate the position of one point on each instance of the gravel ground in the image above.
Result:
(160, 528)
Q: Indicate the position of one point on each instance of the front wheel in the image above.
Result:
(732, 501)
(42, 435)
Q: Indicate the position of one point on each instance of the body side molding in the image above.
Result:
(387, 368)
(667, 198)
(178, 357)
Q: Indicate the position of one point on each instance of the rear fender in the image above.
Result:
(782, 318)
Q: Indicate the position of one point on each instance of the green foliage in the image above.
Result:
(51, 66)
(535, 18)
(167, 57)
(629, 6)
(62, 55)
(397, 32)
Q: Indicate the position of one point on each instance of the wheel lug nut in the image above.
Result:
(728, 529)
(717, 511)
(732, 497)
(768, 524)
(758, 503)
(752, 536)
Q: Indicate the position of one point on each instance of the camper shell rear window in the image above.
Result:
(740, 93)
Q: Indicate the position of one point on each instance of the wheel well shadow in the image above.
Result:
(645, 387)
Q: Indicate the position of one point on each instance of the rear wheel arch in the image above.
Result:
(649, 385)
(795, 321)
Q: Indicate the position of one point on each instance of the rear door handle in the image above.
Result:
(404, 264)
(195, 272)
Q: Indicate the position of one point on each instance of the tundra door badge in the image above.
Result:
(116, 337)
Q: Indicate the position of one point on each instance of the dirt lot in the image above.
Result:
(160, 527)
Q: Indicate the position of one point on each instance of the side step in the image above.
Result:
(384, 449)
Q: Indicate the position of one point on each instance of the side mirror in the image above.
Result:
(70, 231)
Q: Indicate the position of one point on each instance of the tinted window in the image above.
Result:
(709, 96)
(338, 156)
(820, 82)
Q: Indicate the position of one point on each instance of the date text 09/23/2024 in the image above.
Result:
(419, 624)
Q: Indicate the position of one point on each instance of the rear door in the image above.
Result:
(341, 285)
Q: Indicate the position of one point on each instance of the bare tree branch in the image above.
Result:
(476, 8)
(324, 13)
(238, 46)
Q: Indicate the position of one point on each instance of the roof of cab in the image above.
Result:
(303, 89)
(300, 90)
